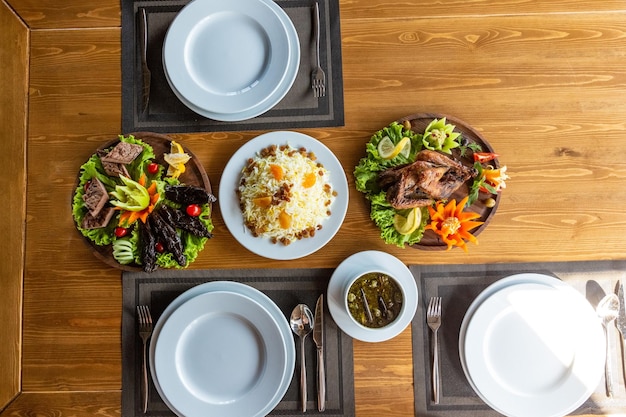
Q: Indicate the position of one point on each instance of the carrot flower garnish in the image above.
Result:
(452, 224)
(129, 217)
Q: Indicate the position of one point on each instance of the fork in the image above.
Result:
(318, 77)
(433, 318)
(145, 331)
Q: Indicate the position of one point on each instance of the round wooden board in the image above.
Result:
(419, 121)
(194, 175)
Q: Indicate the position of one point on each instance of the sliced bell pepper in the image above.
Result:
(484, 156)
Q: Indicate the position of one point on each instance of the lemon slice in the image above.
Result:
(407, 225)
(175, 147)
(387, 150)
(177, 158)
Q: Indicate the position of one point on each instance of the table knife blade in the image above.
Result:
(620, 323)
(621, 316)
(318, 338)
(146, 76)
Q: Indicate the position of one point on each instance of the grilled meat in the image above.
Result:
(148, 247)
(433, 176)
(95, 196)
(101, 220)
(123, 153)
(168, 237)
(183, 221)
(188, 194)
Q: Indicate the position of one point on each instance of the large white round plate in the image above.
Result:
(213, 75)
(284, 338)
(359, 263)
(534, 349)
(229, 202)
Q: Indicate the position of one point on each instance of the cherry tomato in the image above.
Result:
(121, 231)
(193, 210)
(153, 168)
(159, 247)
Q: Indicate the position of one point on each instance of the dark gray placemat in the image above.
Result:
(166, 114)
(286, 288)
(459, 285)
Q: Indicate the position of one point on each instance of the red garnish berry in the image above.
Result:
(121, 231)
(153, 168)
(193, 210)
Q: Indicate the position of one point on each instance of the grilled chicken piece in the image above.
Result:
(433, 176)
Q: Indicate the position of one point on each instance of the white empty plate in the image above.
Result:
(534, 350)
(230, 57)
(221, 354)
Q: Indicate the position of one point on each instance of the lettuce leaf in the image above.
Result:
(382, 214)
(366, 181)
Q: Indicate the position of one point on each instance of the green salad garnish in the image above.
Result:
(130, 195)
(366, 180)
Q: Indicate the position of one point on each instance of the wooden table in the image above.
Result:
(543, 80)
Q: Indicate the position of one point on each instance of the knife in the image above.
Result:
(145, 71)
(318, 338)
(621, 323)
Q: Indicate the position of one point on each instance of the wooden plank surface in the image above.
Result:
(542, 81)
(13, 110)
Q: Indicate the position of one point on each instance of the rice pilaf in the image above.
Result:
(285, 194)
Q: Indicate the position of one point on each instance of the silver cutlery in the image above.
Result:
(302, 322)
(145, 331)
(607, 311)
(433, 318)
(318, 338)
(145, 71)
(621, 323)
(318, 77)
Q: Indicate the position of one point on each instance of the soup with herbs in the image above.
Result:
(374, 300)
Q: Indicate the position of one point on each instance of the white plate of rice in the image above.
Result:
(319, 207)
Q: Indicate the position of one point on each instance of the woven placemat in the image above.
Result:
(286, 288)
(459, 285)
(166, 114)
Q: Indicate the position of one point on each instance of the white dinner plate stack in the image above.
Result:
(231, 60)
(222, 349)
(532, 346)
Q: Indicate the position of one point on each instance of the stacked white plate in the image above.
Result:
(231, 60)
(532, 346)
(222, 349)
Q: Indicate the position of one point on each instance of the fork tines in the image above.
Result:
(318, 82)
(434, 307)
(144, 318)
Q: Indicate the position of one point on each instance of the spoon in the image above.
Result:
(607, 310)
(301, 322)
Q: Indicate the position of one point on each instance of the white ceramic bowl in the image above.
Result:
(374, 307)
(346, 274)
